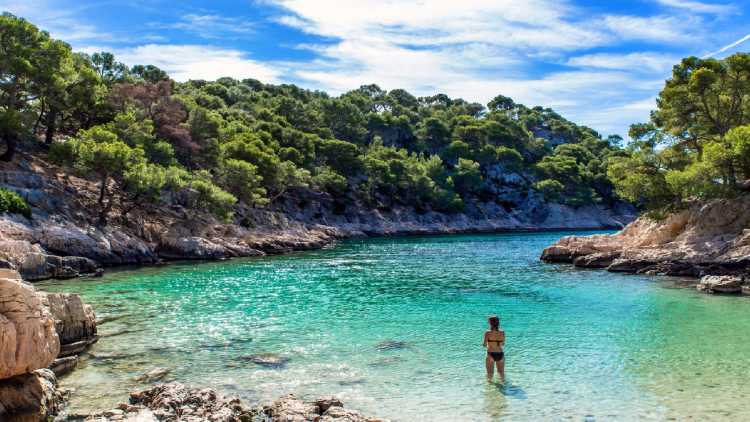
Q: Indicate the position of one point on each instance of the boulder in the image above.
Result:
(720, 284)
(291, 409)
(29, 397)
(596, 260)
(192, 247)
(74, 320)
(28, 340)
(62, 366)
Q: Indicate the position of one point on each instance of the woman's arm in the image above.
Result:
(484, 340)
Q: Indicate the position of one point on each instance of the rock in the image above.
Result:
(28, 340)
(76, 348)
(29, 397)
(720, 284)
(174, 402)
(268, 360)
(746, 290)
(75, 321)
(624, 265)
(62, 366)
(155, 374)
(596, 260)
(392, 345)
(324, 403)
(707, 238)
(291, 409)
(193, 247)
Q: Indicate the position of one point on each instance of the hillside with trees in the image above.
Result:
(145, 137)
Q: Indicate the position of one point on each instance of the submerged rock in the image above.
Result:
(392, 345)
(156, 374)
(720, 284)
(268, 360)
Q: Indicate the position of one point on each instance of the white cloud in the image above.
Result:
(653, 28)
(184, 62)
(210, 26)
(635, 62)
(700, 7)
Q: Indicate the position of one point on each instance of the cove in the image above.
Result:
(393, 326)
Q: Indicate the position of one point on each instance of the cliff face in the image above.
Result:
(37, 331)
(711, 238)
(62, 240)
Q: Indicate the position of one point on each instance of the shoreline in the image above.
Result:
(330, 244)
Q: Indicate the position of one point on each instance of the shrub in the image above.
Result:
(12, 202)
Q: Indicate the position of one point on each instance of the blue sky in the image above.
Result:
(598, 63)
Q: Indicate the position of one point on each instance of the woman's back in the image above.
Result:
(495, 340)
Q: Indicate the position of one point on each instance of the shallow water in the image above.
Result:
(394, 326)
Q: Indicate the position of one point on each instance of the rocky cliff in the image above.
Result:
(711, 238)
(62, 239)
(36, 334)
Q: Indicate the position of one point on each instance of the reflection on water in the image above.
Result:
(393, 327)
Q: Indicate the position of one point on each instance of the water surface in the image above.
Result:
(394, 326)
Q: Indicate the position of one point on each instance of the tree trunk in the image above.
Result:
(51, 125)
(102, 209)
(10, 147)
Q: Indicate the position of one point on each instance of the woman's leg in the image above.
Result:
(489, 364)
(501, 369)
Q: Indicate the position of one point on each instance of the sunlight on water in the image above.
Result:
(393, 327)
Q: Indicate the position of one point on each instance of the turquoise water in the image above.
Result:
(582, 345)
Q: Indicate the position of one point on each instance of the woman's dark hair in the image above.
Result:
(494, 322)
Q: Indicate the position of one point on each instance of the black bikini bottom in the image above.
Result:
(496, 356)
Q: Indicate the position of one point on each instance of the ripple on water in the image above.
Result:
(393, 327)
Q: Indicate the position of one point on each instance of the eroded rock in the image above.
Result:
(28, 340)
(708, 238)
(720, 284)
(29, 397)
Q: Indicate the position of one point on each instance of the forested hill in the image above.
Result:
(143, 136)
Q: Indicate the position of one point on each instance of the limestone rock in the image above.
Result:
(596, 260)
(192, 247)
(707, 238)
(62, 366)
(29, 397)
(74, 320)
(720, 284)
(28, 340)
(291, 409)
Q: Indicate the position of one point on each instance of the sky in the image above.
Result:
(598, 63)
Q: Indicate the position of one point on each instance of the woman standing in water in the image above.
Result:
(494, 340)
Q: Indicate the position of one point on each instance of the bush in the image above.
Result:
(12, 202)
(551, 189)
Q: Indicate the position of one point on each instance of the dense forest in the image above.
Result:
(209, 145)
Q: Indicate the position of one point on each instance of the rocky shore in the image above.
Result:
(41, 335)
(709, 240)
(62, 239)
(175, 402)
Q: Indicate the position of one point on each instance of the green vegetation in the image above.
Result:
(209, 144)
(697, 144)
(13, 203)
